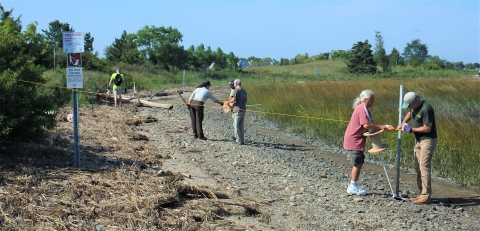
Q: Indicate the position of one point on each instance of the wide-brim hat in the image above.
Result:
(373, 133)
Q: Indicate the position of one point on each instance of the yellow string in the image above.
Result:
(249, 111)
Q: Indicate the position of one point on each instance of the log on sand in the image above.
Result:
(152, 104)
(109, 98)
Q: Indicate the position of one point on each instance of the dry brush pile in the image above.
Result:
(120, 185)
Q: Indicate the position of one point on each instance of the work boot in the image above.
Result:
(413, 199)
(422, 201)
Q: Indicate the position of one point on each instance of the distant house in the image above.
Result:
(269, 62)
(243, 63)
(211, 65)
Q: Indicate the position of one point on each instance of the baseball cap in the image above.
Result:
(206, 83)
(237, 81)
(409, 98)
(231, 82)
(117, 69)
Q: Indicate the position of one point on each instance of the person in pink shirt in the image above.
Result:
(354, 141)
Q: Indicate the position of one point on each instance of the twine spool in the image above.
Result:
(227, 107)
(377, 145)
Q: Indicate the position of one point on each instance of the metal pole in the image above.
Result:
(400, 101)
(183, 80)
(386, 174)
(76, 139)
(93, 95)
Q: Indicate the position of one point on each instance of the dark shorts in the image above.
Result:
(356, 157)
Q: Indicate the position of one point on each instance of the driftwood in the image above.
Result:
(152, 104)
(110, 98)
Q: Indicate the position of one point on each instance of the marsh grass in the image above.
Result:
(322, 109)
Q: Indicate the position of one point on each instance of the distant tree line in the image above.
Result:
(362, 59)
(160, 46)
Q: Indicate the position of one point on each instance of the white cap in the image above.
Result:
(238, 82)
(409, 98)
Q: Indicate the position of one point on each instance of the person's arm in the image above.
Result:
(231, 100)
(232, 94)
(210, 95)
(426, 128)
(372, 126)
(109, 83)
(407, 118)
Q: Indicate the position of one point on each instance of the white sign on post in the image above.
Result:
(73, 42)
(74, 77)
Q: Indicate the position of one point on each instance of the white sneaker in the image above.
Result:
(355, 189)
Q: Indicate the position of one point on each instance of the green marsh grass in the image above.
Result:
(322, 109)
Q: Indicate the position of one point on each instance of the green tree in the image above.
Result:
(88, 41)
(434, 63)
(395, 58)
(361, 60)
(340, 54)
(150, 40)
(209, 56)
(16, 24)
(472, 65)
(459, 66)
(172, 56)
(55, 31)
(380, 55)
(199, 56)
(415, 53)
(232, 61)
(17, 72)
(284, 62)
(301, 59)
(449, 65)
(220, 59)
(321, 56)
(191, 58)
(124, 50)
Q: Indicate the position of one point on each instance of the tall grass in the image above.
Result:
(322, 109)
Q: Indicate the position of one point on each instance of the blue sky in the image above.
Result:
(275, 29)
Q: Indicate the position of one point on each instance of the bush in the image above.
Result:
(27, 107)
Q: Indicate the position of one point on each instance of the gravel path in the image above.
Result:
(297, 183)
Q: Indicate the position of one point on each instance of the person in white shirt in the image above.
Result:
(197, 101)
